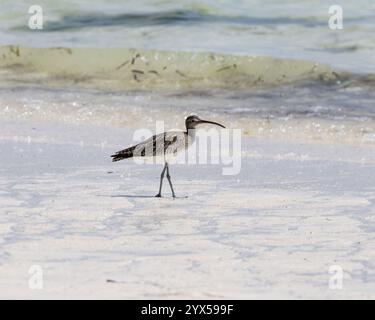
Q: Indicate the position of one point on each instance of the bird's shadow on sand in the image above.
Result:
(131, 196)
(140, 196)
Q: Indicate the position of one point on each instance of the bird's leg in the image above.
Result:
(169, 180)
(161, 180)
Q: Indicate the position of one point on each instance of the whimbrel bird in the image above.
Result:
(164, 144)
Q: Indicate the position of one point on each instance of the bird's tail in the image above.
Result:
(123, 154)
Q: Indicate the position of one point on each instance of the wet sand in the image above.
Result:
(95, 229)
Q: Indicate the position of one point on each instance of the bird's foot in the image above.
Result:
(158, 195)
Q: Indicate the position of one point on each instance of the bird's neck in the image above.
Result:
(190, 132)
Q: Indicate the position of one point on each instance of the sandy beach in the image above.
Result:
(95, 229)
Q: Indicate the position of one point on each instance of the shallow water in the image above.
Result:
(287, 113)
(286, 29)
(272, 68)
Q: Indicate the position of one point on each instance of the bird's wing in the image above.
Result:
(157, 145)
(175, 141)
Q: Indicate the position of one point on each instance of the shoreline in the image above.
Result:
(253, 114)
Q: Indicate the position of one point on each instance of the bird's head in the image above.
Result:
(192, 121)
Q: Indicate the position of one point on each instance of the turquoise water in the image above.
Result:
(285, 29)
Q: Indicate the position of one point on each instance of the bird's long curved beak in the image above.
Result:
(211, 122)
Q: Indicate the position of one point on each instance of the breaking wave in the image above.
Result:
(133, 69)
